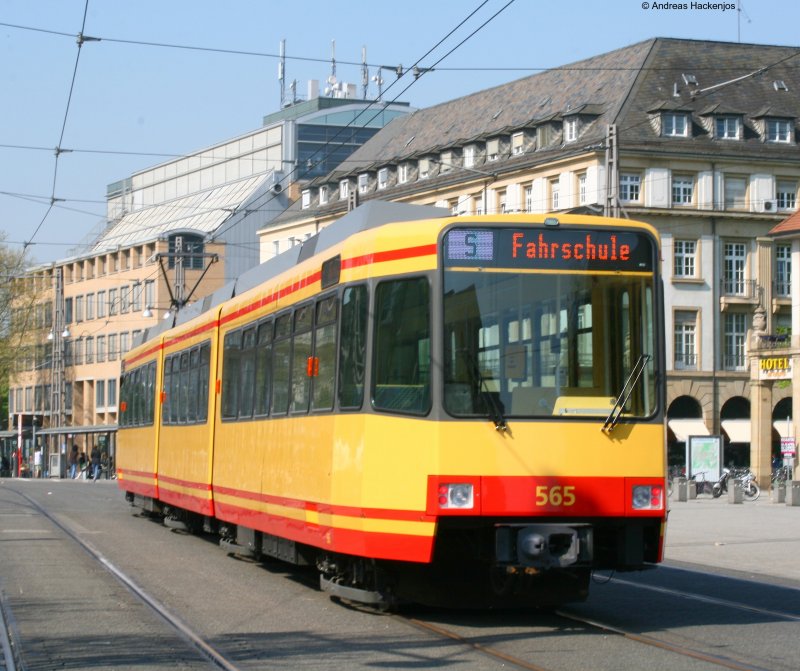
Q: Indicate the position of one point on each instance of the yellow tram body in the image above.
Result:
(370, 483)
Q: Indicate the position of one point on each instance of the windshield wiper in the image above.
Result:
(495, 412)
(625, 394)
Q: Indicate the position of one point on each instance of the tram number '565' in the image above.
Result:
(556, 496)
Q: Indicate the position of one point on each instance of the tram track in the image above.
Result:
(193, 639)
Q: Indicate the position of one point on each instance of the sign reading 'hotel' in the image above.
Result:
(775, 368)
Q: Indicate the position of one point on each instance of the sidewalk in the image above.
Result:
(760, 538)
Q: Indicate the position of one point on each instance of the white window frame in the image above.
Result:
(783, 270)
(682, 190)
(424, 168)
(786, 194)
(734, 269)
(305, 199)
(517, 144)
(324, 194)
(383, 178)
(344, 189)
(570, 129)
(732, 199)
(363, 183)
(582, 197)
(446, 162)
(685, 340)
(684, 258)
(674, 124)
(403, 173)
(779, 131)
(493, 149)
(555, 193)
(630, 187)
(727, 127)
(470, 155)
(735, 341)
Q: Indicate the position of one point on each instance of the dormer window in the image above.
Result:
(323, 194)
(727, 127)
(424, 168)
(383, 178)
(403, 173)
(571, 129)
(674, 124)
(344, 189)
(469, 155)
(305, 200)
(363, 183)
(779, 130)
(493, 149)
(446, 163)
(517, 144)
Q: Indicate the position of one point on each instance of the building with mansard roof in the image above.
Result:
(698, 138)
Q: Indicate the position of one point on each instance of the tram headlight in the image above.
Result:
(458, 495)
(648, 497)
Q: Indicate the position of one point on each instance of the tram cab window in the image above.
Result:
(401, 357)
(543, 344)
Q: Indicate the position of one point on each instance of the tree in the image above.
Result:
(16, 314)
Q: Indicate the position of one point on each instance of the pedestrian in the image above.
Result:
(95, 464)
(82, 464)
(72, 461)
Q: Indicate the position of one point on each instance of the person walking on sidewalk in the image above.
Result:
(95, 464)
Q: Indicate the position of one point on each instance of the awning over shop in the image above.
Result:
(737, 430)
(783, 428)
(683, 428)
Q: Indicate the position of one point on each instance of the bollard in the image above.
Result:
(793, 492)
(778, 493)
(682, 489)
(692, 489)
(735, 491)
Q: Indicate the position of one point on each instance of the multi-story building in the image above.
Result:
(698, 138)
(174, 233)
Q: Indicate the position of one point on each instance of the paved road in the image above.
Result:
(757, 539)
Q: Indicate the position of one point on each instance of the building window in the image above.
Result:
(111, 393)
(446, 164)
(424, 167)
(629, 187)
(555, 190)
(682, 190)
(529, 199)
(136, 297)
(582, 198)
(101, 304)
(734, 340)
(101, 349)
(733, 274)
(89, 350)
(124, 300)
(685, 340)
(191, 251)
(124, 343)
(383, 178)
(99, 394)
(674, 124)
(786, 193)
(685, 257)
(735, 193)
(344, 189)
(112, 346)
(305, 199)
(89, 306)
(493, 149)
(469, 155)
(363, 183)
(79, 308)
(779, 130)
(323, 194)
(570, 129)
(727, 127)
(783, 270)
(149, 293)
(402, 173)
(517, 144)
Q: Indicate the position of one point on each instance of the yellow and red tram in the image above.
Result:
(419, 403)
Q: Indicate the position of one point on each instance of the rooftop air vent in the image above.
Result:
(780, 85)
(689, 79)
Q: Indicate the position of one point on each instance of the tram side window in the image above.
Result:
(205, 372)
(401, 360)
(167, 403)
(231, 365)
(150, 392)
(263, 368)
(247, 372)
(194, 396)
(281, 364)
(301, 358)
(175, 391)
(353, 347)
(324, 360)
(186, 376)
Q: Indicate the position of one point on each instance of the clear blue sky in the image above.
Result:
(131, 97)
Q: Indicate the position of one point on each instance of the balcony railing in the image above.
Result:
(739, 288)
(685, 362)
(780, 341)
(782, 289)
(734, 362)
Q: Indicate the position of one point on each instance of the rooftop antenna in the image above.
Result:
(282, 71)
(379, 81)
(739, 12)
(331, 90)
(364, 73)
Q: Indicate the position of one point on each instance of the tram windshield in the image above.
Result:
(540, 332)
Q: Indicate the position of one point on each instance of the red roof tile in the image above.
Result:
(788, 226)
